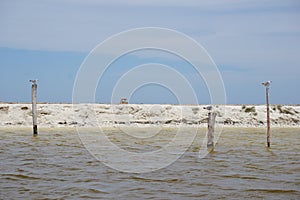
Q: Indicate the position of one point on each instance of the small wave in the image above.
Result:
(156, 180)
(241, 177)
(267, 190)
(19, 176)
(97, 191)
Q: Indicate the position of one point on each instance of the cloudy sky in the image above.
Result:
(249, 41)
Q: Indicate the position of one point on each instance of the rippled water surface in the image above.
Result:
(55, 165)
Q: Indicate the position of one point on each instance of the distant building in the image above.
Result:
(124, 101)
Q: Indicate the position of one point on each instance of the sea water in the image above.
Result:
(56, 165)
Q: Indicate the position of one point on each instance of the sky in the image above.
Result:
(249, 41)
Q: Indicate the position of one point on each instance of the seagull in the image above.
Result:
(33, 81)
(267, 83)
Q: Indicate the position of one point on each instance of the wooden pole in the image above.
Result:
(268, 117)
(211, 128)
(34, 110)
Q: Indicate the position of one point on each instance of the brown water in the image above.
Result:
(55, 165)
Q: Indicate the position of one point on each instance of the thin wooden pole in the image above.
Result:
(34, 110)
(268, 117)
(211, 128)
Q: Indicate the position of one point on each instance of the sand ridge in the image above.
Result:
(106, 115)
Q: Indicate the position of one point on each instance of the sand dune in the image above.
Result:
(89, 115)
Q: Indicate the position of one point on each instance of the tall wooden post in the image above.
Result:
(34, 110)
(268, 117)
(211, 128)
(267, 85)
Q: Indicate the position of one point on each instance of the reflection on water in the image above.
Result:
(55, 165)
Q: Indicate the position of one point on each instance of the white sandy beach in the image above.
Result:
(106, 115)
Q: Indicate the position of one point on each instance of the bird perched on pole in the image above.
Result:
(267, 83)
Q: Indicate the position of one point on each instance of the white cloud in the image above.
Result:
(258, 34)
(78, 25)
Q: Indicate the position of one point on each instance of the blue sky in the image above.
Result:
(250, 42)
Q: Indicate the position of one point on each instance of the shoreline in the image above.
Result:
(73, 128)
(146, 115)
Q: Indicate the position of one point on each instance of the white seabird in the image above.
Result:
(267, 83)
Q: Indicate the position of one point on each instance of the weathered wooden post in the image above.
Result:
(268, 117)
(211, 128)
(34, 110)
(267, 85)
